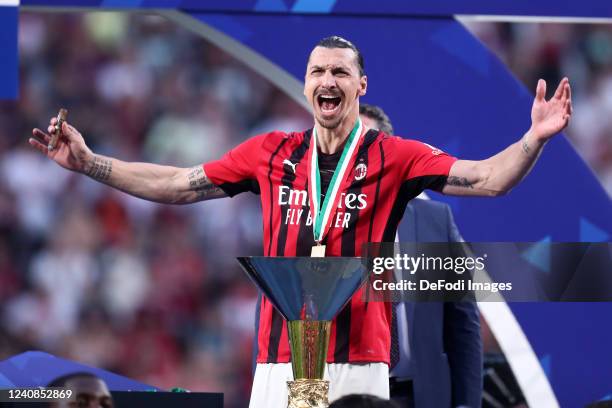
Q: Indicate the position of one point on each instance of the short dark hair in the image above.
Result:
(338, 42)
(62, 380)
(376, 113)
(362, 401)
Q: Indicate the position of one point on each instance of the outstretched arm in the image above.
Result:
(497, 175)
(163, 184)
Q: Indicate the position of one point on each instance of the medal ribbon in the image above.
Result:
(321, 214)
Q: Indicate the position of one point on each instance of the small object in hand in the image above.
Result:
(61, 118)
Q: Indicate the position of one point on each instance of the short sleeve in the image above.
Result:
(236, 171)
(424, 162)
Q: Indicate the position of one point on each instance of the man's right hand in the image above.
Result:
(71, 152)
(162, 184)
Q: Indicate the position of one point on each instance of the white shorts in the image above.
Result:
(270, 382)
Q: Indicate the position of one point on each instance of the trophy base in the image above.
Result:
(308, 393)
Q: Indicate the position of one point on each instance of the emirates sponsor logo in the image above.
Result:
(299, 198)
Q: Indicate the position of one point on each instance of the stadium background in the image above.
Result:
(139, 277)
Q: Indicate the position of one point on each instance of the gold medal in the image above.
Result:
(318, 251)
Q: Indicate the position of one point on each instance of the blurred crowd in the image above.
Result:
(93, 275)
(149, 291)
(582, 52)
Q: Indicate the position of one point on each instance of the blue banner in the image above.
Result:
(391, 8)
(8, 52)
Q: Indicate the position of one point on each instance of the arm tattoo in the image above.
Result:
(525, 146)
(200, 184)
(459, 182)
(100, 168)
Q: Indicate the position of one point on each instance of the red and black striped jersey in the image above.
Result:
(387, 172)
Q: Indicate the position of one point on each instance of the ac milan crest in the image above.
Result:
(360, 171)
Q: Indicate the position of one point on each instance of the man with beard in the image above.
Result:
(325, 191)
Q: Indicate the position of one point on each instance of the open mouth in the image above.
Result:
(329, 103)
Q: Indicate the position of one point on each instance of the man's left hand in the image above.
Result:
(550, 117)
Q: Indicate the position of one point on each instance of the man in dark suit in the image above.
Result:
(440, 348)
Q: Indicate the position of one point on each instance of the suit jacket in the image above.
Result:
(445, 341)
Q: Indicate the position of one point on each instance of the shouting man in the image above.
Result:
(326, 190)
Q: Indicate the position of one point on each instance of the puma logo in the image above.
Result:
(287, 162)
